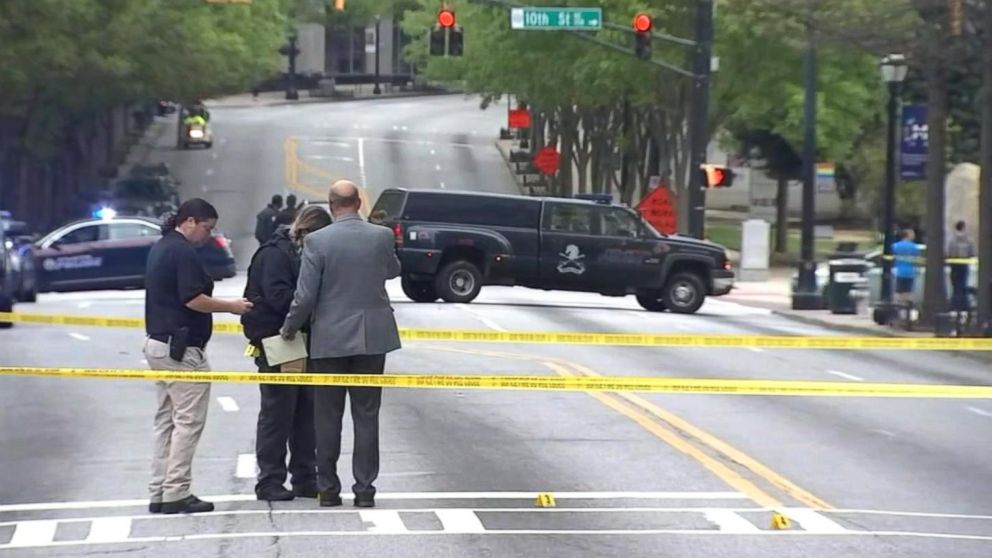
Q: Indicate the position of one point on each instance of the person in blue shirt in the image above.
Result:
(906, 252)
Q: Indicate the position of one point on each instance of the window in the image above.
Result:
(473, 210)
(572, 219)
(617, 222)
(124, 231)
(87, 233)
(389, 205)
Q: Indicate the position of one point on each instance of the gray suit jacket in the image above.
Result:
(342, 290)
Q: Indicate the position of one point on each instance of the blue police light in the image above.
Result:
(105, 213)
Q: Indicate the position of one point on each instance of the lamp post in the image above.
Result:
(893, 68)
(377, 90)
(807, 295)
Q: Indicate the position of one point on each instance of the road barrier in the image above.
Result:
(534, 383)
(579, 338)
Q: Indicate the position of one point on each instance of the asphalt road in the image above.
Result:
(639, 475)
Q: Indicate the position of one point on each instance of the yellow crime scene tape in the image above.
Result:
(580, 338)
(539, 383)
(923, 260)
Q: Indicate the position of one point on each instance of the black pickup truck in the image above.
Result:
(452, 243)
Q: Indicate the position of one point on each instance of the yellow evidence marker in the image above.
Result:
(780, 521)
(546, 500)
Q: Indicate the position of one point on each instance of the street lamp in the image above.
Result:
(807, 296)
(893, 68)
(376, 90)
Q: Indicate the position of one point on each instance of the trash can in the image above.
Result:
(847, 275)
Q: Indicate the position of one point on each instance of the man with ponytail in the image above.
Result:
(178, 306)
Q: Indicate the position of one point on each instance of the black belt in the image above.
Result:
(191, 344)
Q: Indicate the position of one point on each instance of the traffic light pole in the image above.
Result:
(807, 296)
(698, 117)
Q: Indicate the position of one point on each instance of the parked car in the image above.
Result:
(94, 254)
(873, 272)
(451, 244)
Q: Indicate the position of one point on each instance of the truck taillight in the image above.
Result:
(398, 233)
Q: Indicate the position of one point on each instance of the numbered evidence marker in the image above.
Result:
(780, 521)
(546, 500)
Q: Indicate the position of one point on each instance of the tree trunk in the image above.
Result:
(782, 216)
(934, 293)
(985, 192)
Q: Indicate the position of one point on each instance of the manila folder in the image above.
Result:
(279, 351)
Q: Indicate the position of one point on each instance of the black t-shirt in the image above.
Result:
(174, 276)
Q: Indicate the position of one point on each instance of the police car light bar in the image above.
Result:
(105, 213)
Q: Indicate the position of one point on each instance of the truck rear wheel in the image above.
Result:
(650, 300)
(418, 291)
(459, 281)
(684, 293)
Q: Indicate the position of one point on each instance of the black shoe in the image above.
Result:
(306, 491)
(366, 502)
(328, 499)
(155, 507)
(275, 494)
(189, 504)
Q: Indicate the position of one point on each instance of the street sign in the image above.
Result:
(547, 160)
(576, 19)
(657, 208)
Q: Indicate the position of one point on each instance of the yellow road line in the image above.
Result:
(293, 165)
(745, 460)
(724, 473)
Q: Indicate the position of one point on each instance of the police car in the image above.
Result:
(110, 252)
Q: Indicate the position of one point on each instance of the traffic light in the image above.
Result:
(642, 36)
(446, 36)
(455, 43)
(717, 176)
(437, 40)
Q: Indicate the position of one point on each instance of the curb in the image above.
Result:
(983, 358)
(328, 100)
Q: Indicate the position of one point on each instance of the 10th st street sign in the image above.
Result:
(576, 19)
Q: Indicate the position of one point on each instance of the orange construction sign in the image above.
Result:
(658, 208)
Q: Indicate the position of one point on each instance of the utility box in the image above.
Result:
(755, 250)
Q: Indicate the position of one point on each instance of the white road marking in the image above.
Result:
(396, 127)
(361, 162)
(729, 521)
(228, 403)
(86, 304)
(33, 533)
(210, 172)
(109, 530)
(812, 521)
(246, 466)
(978, 411)
(437, 167)
(756, 349)
(486, 321)
(442, 184)
(845, 375)
(139, 502)
(79, 336)
(383, 522)
(433, 152)
(214, 156)
(460, 521)
(404, 128)
(330, 142)
(332, 157)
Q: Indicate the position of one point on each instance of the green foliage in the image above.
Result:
(63, 60)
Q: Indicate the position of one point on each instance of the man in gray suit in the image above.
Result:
(342, 292)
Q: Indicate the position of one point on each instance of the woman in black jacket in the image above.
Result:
(286, 413)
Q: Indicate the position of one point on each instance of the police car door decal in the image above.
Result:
(571, 261)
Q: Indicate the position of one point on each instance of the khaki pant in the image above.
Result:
(179, 421)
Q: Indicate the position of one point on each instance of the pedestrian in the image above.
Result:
(291, 208)
(960, 248)
(342, 294)
(286, 412)
(906, 252)
(178, 306)
(265, 221)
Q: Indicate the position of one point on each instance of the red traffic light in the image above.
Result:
(717, 176)
(446, 18)
(642, 23)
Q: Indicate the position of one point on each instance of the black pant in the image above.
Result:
(329, 410)
(285, 416)
(959, 284)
